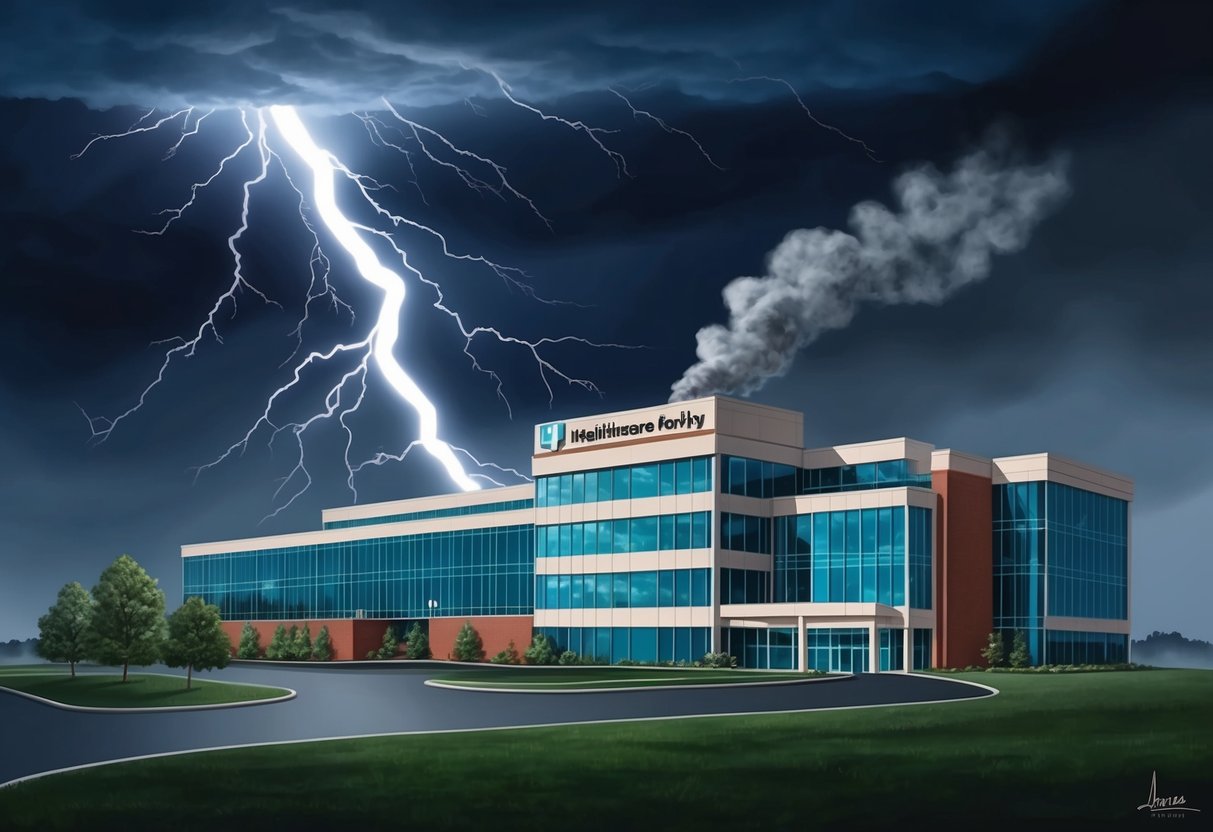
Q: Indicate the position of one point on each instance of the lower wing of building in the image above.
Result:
(662, 534)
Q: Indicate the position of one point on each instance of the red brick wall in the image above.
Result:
(351, 639)
(964, 574)
(496, 631)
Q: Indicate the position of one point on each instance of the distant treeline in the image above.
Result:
(1172, 650)
(16, 649)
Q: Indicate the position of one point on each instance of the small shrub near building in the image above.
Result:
(507, 656)
(468, 645)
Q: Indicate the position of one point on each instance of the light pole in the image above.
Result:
(433, 605)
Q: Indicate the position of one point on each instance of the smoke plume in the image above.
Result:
(941, 238)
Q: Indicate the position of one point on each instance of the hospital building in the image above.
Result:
(663, 533)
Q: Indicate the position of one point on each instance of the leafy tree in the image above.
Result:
(279, 644)
(994, 652)
(540, 651)
(322, 648)
(65, 630)
(390, 643)
(292, 639)
(416, 643)
(468, 646)
(128, 617)
(507, 656)
(250, 642)
(196, 639)
(1020, 655)
(301, 644)
(569, 657)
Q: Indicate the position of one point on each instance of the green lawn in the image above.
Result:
(1075, 749)
(106, 690)
(606, 678)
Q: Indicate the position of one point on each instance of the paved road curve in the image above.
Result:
(346, 701)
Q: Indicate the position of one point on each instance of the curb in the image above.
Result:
(434, 683)
(94, 709)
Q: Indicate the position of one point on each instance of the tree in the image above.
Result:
(301, 644)
(387, 649)
(128, 616)
(322, 648)
(292, 639)
(569, 657)
(507, 656)
(416, 643)
(540, 651)
(250, 642)
(994, 652)
(279, 644)
(468, 646)
(64, 632)
(1020, 655)
(196, 639)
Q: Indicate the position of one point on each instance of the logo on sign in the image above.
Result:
(551, 436)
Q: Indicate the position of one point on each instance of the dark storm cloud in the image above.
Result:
(345, 56)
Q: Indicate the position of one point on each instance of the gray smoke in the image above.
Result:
(941, 238)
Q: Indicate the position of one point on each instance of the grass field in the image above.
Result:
(1076, 750)
(606, 678)
(141, 690)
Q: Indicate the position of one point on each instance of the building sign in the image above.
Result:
(551, 436)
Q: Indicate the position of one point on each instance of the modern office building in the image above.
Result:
(667, 532)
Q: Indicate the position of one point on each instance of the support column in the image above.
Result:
(873, 649)
(802, 646)
(907, 647)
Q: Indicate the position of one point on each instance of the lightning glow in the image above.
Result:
(387, 327)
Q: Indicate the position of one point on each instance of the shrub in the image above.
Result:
(568, 657)
(507, 656)
(278, 644)
(468, 646)
(1020, 657)
(250, 642)
(540, 651)
(322, 649)
(417, 643)
(387, 649)
(718, 660)
(994, 652)
(301, 644)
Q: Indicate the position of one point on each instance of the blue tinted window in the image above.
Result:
(644, 481)
(682, 476)
(623, 478)
(644, 589)
(667, 479)
(644, 534)
(621, 589)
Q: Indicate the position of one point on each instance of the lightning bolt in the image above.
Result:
(871, 154)
(387, 327)
(636, 113)
(621, 164)
(376, 349)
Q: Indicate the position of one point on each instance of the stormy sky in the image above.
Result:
(1087, 332)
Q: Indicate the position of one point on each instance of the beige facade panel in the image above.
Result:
(1086, 625)
(377, 530)
(438, 501)
(773, 425)
(876, 451)
(950, 460)
(634, 452)
(820, 614)
(1035, 467)
(850, 500)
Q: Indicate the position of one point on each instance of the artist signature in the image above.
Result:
(1154, 803)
